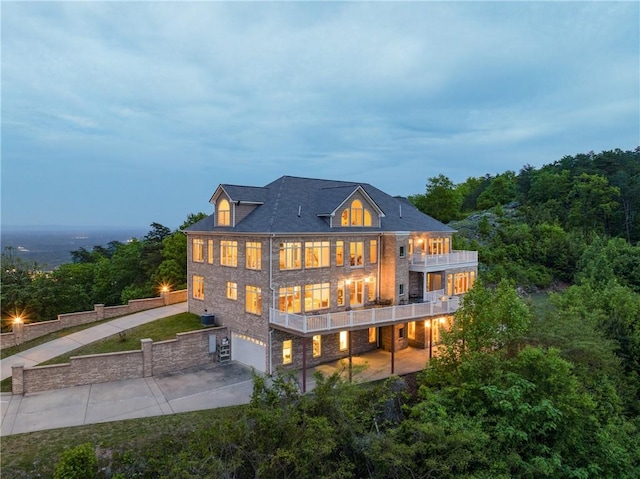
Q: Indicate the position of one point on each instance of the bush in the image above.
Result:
(77, 463)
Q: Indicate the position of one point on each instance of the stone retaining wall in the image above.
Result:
(187, 350)
(26, 332)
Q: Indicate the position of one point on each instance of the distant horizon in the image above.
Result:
(32, 227)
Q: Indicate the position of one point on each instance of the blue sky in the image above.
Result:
(126, 113)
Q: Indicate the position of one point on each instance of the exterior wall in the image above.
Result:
(187, 350)
(398, 342)
(31, 331)
(330, 348)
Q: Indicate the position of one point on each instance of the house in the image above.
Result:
(305, 271)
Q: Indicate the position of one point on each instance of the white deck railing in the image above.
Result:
(453, 258)
(362, 317)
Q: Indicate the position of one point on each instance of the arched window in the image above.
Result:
(356, 213)
(224, 213)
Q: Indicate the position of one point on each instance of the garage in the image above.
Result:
(249, 351)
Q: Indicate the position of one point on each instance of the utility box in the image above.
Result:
(208, 319)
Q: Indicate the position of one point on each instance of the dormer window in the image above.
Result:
(356, 215)
(224, 213)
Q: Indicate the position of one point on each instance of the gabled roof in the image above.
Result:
(297, 205)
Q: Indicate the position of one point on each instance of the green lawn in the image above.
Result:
(129, 340)
(36, 454)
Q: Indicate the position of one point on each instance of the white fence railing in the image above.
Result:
(362, 317)
(453, 258)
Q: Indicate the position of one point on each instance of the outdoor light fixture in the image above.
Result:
(17, 320)
(427, 323)
(441, 320)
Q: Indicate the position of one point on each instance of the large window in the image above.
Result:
(232, 290)
(289, 299)
(317, 346)
(224, 213)
(373, 335)
(210, 251)
(459, 283)
(229, 253)
(356, 297)
(411, 330)
(339, 253)
(355, 215)
(344, 340)
(287, 351)
(198, 250)
(340, 293)
(254, 300)
(198, 287)
(254, 255)
(356, 249)
(438, 246)
(291, 255)
(373, 251)
(316, 254)
(316, 296)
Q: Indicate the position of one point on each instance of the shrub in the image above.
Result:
(77, 463)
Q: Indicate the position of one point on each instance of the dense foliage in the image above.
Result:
(109, 275)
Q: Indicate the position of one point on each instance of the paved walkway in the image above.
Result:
(204, 387)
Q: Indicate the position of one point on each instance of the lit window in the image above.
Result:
(253, 300)
(344, 340)
(317, 346)
(372, 289)
(411, 330)
(373, 251)
(198, 287)
(357, 212)
(459, 283)
(210, 251)
(367, 217)
(287, 347)
(291, 255)
(410, 246)
(339, 253)
(198, 250)
(372, 335)
(316, 254)
(316, 296)
(340, 293)
(438, 246)
(355, 253)
(224, 213)
(345, 218)
(254, 255)
(356, 293)
(229, 253)
(290, 299)
(232, 290)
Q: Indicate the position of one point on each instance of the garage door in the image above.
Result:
(249, 351)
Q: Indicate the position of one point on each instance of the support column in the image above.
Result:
(147, 357)
(18, 331)
(430, 338)
(304, 364)
(17, 379)
(350, 357)
(393, 348)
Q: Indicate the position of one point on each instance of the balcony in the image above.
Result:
(361, 318)
(425, 263)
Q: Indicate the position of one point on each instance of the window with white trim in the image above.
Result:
(224, 213)
(459, 283)
(210, 251)
(198, 287)
(287, 351)
(356, 250)
(232, 290)
(317, 346)
(229, 253)
(198, 250)
(254, 255)
(316, 254)
(316, 296)
(290, 299)
(253, 302)
(344, 340)
(339, 253)
(373, 251)
(291, 255)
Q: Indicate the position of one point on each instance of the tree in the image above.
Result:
(501, 190)
(442, 201)
(593, 202)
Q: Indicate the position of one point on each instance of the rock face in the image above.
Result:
(482, 224)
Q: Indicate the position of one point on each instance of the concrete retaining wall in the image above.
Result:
(26, 332)
(187, 350)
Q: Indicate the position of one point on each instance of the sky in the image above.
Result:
(128, 113)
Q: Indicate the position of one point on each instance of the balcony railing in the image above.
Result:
(361, 317)
(450, 259)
